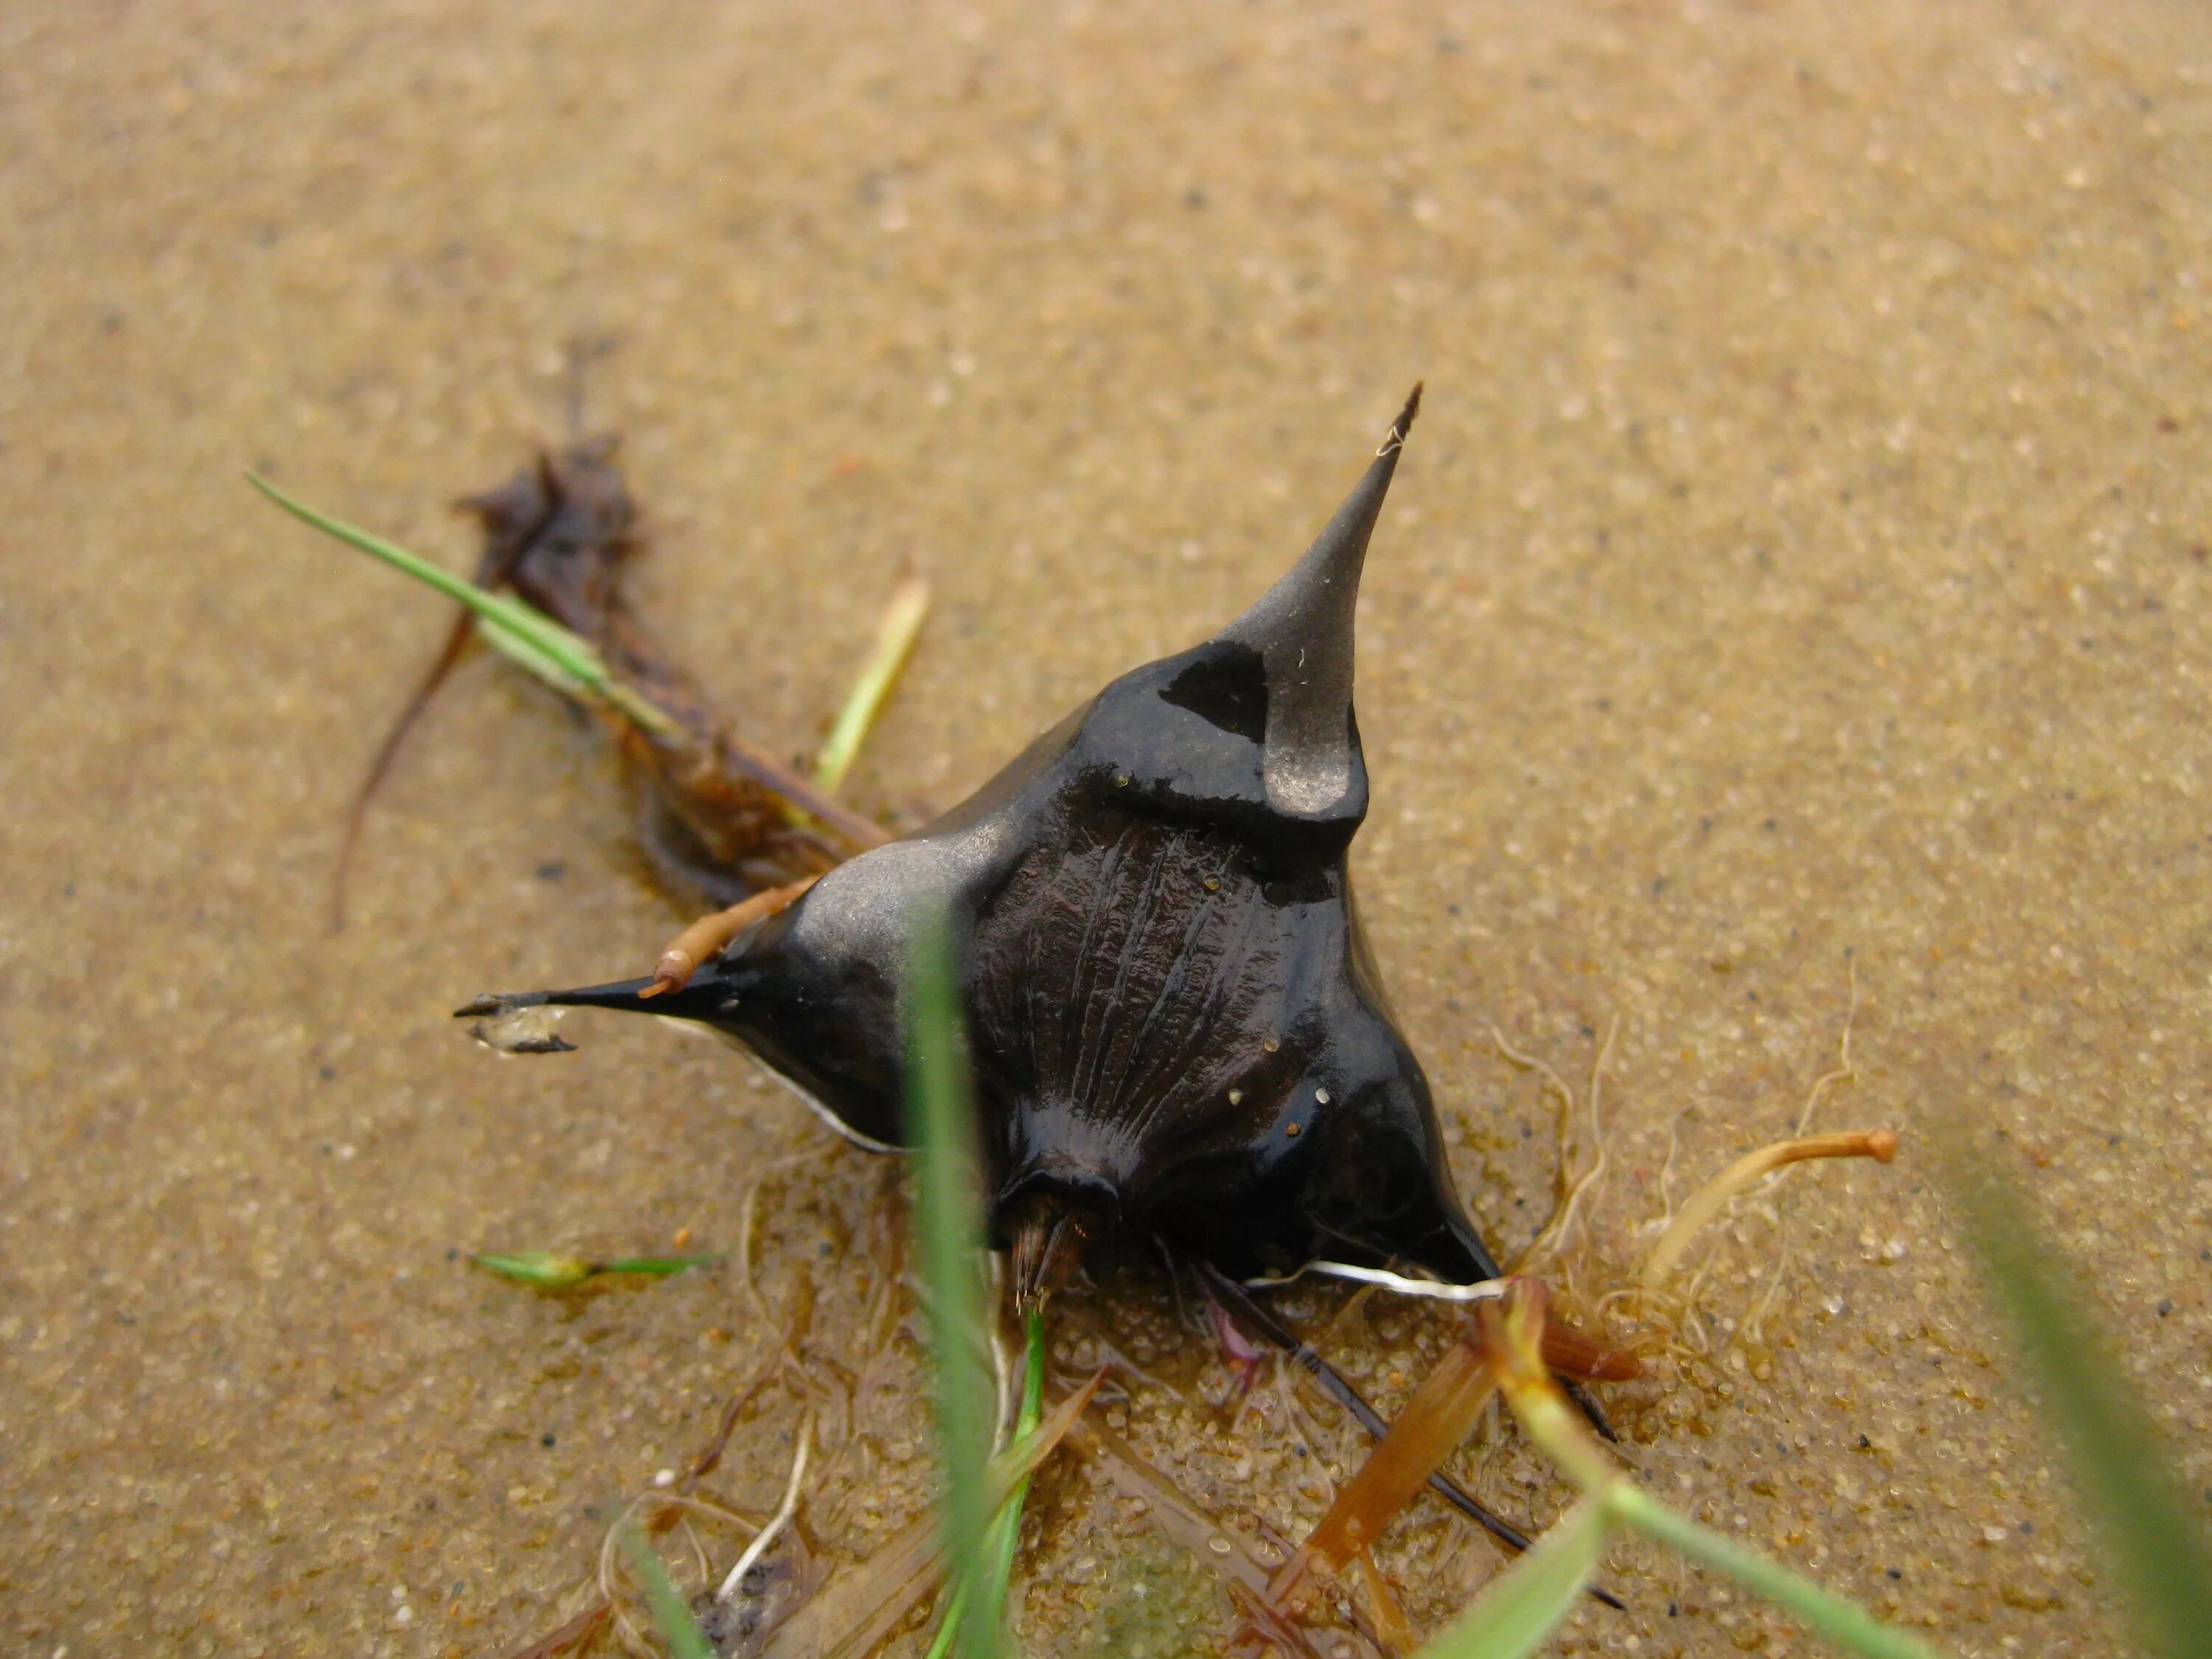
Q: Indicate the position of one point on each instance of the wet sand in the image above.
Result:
(1800, 570)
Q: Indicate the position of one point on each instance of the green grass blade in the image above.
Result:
(556, 1273)
(941, 1127)
(653, 1266)
(562, 660)
(1847, 1623)
(1522, 1606)
(677, 1627)
(539, 1267)
(570, 657)
(1005, 1533)
(894, 640)
(1026, 1417)
(2153, 1541)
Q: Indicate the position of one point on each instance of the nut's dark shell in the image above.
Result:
(1177, 1027)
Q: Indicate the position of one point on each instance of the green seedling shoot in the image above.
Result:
(548, 1272)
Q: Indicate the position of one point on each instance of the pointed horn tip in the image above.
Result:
(622, 996)
(1394, 440)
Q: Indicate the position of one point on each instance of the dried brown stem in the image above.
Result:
(1570, 1352)
(1426, 1431)
(1708, 1200)
(707, 936)
(1394, 1632)
(1339, 1388)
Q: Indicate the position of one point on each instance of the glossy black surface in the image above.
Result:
(1177, 1026)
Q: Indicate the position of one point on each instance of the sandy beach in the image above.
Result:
(1793, 614)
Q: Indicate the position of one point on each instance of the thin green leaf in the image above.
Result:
(681, 1631)
(2154, 1543)
(653, 1266)
(538, 1267)
(557, 1272)
(1847, 1623)
(901, 626)
(573, 657)
(1006, 1525)
(1525, 1603)
(1027, 1415)
(941, 1127)
(563, 660)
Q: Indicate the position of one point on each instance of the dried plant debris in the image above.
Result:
(719, 816)
(1649, 1308)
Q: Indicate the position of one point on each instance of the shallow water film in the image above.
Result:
(1788, 621)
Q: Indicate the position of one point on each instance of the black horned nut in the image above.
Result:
(1178, 1028)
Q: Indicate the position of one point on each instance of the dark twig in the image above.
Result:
(1339, 1388)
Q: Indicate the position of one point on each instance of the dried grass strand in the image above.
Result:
(765, 1538)
(1710, 1198)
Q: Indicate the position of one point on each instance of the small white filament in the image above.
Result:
(1487, 1290)
(776, 1522)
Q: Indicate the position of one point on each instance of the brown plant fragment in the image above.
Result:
(1431, 1427)
(1393, 1629)
(718, 816)
(1248, 1313)
(1574, 1353)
